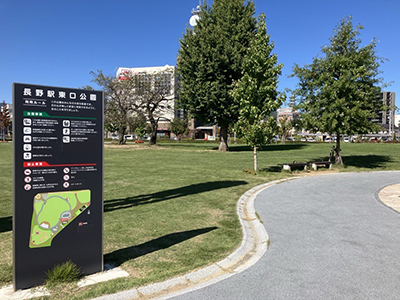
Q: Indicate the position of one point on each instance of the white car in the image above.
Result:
(129, 137)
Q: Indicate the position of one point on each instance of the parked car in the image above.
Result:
(346, 139)
(129, 137)
(310, 139)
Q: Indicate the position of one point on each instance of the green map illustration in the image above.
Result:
(52, 212)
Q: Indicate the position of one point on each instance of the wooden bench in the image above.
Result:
(316, 164)
(294, 165)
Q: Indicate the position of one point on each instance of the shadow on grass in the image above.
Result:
(5, 224)
(118, 257)
(272, 169)
(277, 147)
(366, 161)
(358, 161)
(192, 189)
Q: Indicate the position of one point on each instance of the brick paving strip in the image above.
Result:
(390, 196)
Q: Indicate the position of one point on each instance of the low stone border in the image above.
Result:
(254, 244)
(7, 293)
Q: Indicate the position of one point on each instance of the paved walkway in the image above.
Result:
(330, 238)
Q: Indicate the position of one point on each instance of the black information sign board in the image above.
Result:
(58, 180)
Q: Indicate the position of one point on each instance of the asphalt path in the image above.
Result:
(331, 238)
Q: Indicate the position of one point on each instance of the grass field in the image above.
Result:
(171, 208)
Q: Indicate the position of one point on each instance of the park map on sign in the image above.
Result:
(52, 212)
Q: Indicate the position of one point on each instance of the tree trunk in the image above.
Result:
(153, 135)
(121, 133)
(223, 139)
(255, 159)
(338, 156)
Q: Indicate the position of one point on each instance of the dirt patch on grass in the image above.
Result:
(128, 147)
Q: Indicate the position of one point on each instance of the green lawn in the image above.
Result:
(172, 208)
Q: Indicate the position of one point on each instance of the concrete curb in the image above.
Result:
(254, 244)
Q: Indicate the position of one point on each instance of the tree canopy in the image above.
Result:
(256, 91)
(135, 98)
(339, 90)
(179, 127)
(5, 119)
(210, 62)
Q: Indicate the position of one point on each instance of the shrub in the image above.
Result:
(66, 272)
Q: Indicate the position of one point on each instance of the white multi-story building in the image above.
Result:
(287, 112)
(167, 78)
(386, 118)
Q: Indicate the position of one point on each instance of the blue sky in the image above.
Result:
(58, 42)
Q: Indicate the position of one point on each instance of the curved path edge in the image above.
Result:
(390, 196)
(254, 244)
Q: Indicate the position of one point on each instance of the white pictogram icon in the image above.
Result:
(27, 187)
(27, 130)
(66, 184)
(66, 131)
(66, 123)
(27, 172)
(66, 139)
(27, 155)
(27, 122)
(27, 139)
(66, 170)
(27, 147)
(66, 177)
(28, 179)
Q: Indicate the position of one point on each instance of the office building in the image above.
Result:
(167, 79)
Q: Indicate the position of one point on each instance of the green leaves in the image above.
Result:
(256, 92)
(339, 90)
(210, 60)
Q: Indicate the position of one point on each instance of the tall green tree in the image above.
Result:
(256, 91)
(210, 62)
(340, 89)
(137, 124)
(179, 127)
(5, 119)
